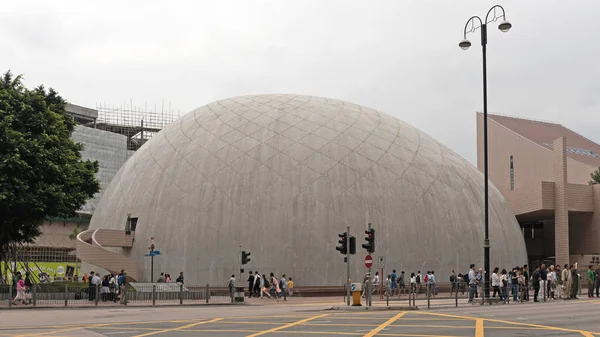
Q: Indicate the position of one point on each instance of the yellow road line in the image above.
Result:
(411, 335)
(433, 326)
(479, 331)
(384, 324)
(178, 328)
(289, 325)
(60, 330)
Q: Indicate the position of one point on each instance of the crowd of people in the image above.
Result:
(396, 285)
(260, 286)
(547, 282)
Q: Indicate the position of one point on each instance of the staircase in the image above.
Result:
(90, 248)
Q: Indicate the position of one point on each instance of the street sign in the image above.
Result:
(355, 287)
(381, 260)
(368, 261)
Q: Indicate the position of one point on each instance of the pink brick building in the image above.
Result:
(543, 170)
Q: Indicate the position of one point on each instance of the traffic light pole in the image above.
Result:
(348, 285)
(368, 298)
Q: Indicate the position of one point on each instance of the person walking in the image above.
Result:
(503, 286)
(591, 279)
(257, 280)
(401, 284)
(496, 283)
(275, 285)
(265, 287)
(413, 284)
(598, 281)
(290, 287)
(559, 282)
(283, 286)
(525, 272)
(394, 282)
(231, 285)
(376, 284)
(105, 290)
(250, 284)
(161, 278)
(419, 277)
(453, 283)
(575, 281)
(20, 290)
(567, 282)
(535, 281)
(514, 282)
(472, 282)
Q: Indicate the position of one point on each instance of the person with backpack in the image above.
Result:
(453, 283)
(394, 283)
(283, 286)
(265, 287)
(418, 280)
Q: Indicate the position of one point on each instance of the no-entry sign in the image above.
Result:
(368, 261)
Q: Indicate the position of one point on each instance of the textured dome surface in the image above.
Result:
(282, 175)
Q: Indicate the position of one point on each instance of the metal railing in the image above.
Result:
(56, 295)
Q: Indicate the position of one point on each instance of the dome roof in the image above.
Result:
(281, 175)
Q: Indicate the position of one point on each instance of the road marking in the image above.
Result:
(385, 324)
(178, 328)
(118, 332)
(61, 330)
(289, 325)
(479, 328)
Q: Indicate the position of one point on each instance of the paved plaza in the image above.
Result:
(312, 317)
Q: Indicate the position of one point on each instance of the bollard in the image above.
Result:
(34, 295)
(10, 296)
(345, 292)
(180, 293)
(387, 298)
(456, 296)
(97, 294)
(154, 294)
(207, 295)
(124, 294)
(428, 294)
(66, 294)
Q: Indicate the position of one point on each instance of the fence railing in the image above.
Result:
(74, 294)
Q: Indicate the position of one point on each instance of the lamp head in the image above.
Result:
(464, 44)
(505, 26)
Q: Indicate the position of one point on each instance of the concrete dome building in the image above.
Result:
(280, 176)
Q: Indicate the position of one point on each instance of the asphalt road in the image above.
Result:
(556, 318)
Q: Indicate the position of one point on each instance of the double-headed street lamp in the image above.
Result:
(504, 26)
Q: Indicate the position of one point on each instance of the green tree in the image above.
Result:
(595, 177)
(41, 171)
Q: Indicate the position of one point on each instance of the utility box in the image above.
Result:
(356, 288)
(239, 294)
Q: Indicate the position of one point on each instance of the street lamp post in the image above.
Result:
(504, 26)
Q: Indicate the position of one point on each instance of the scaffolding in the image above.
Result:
(137, 123)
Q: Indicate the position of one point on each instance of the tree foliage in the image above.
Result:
(595, 177)
(41, 170)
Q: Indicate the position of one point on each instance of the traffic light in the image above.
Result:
(370, 238)
(352, 245)
(245, 258)
(343, 247)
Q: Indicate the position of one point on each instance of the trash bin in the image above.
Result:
(356, 288)
(238, 295)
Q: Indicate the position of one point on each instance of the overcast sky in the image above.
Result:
(400, 57)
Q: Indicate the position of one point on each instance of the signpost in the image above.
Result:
(381, 261)
(152, 254)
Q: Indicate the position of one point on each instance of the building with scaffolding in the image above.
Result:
(110, 135)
